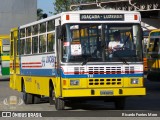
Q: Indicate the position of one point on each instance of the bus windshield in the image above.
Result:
(102, 43)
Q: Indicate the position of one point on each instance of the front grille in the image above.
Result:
(79, 70)
(129, 69)
(105, 82)
(104, 70)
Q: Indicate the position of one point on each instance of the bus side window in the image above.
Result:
(11, 49)
(22, 44)
(28, 31)
(11, 52)
(42, 27)
(28, 46)
(22, 41)
(35, 30)
(50, 42)
(35, 45)
(17, 47)
(51, 25)
(42, 43)
(22, 33)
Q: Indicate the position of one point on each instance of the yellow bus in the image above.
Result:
(4, 55)
(145, 42)
(67, 57)
(153, 52)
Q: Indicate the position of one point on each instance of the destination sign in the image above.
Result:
(101, 17)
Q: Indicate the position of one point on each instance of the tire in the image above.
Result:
(51, 96)
(36, 99)
(120, 103)
(59, 104)
(27, 97)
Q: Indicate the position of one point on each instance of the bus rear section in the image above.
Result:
(15, 82)
(5, 57)
(153, 61)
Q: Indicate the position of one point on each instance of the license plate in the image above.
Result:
(106, 92)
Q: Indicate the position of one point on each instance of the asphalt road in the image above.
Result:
(149, 102)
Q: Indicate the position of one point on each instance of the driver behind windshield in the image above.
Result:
(116, 42)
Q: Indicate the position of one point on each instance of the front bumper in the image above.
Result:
(103, 92)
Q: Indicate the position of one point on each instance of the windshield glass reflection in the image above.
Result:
(102, 43)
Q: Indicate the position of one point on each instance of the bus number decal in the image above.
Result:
(43, 61)
(47, 60)
(90, 76)
(50, 59)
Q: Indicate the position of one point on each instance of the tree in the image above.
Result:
(61, 5)
(64, 5)
(41, 14)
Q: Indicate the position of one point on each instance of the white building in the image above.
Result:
(14, 13)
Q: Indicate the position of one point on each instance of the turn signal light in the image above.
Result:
(67, 17)
(64, 82)
(135, 17)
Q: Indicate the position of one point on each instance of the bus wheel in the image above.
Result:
(36, 99)
(59, 104)
(120, 103)
(27, 98)
(51, 96)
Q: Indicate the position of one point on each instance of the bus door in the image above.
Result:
(14, 59)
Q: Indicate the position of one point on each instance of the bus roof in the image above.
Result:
(101, 11)
(154, 33)
(92, 11)
(155, 30)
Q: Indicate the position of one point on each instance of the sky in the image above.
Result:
(46, 6)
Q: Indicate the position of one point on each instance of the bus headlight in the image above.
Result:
(74, 82)
(134, 81)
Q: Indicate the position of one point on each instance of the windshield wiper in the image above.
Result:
(122, 59)
(85, 59)
(84, 62)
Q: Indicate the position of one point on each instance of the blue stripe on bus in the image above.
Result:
(38, 72)
(52, 72)
(102, 75)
